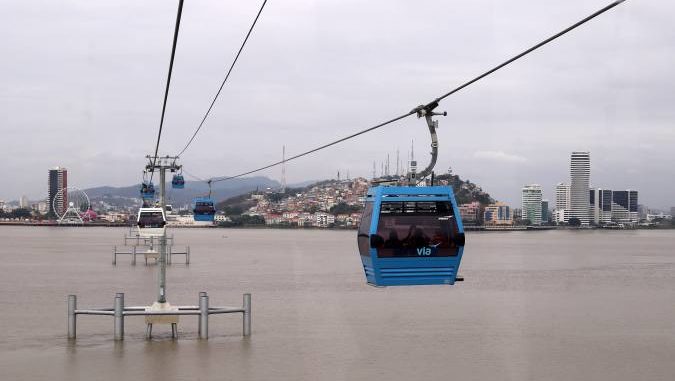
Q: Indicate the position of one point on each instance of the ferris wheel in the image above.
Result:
(69, 205)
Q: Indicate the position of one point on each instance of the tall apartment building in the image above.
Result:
(580, 174)
(58, 179)
(562, 203)
(600, 206)
(531, 203)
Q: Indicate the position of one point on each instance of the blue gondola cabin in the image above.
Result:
(203, 209)
(410, 236)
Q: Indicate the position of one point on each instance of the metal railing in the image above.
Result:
(119, 312)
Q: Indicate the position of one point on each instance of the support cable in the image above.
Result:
(229, 71)
(168, 83)
(431, 105)
(217, 179)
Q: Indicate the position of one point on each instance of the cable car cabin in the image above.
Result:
(410, 236)
(147, 191)
(151, 222)
(178, 182)
(203, 209)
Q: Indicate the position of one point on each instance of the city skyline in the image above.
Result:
(561, 191)
(100, 101)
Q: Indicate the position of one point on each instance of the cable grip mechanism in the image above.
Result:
(427, 111)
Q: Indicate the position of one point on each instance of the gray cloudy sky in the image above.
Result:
(82, 86)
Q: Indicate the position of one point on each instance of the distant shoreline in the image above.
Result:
(273, 227)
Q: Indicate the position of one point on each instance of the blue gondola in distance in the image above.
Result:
(178, 182)
(147, 191)
(203, 209)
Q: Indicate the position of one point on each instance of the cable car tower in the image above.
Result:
(161, 164)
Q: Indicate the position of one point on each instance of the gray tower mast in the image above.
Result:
(283, 169)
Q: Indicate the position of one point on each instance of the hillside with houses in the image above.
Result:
(326, 204)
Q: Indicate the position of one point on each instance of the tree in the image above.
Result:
(524, 222)
(574, 221)
(233, 210)
(274, 197)
(344, 208)
(21, 213)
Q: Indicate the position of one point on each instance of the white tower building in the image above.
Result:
(580, 173)
(562, 196)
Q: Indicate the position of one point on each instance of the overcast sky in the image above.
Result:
(83, 81)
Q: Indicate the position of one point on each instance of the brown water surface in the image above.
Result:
(553, 305)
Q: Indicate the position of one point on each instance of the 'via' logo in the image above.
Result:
(424, 251)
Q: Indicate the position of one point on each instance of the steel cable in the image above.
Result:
(433, 103)
(229, 71)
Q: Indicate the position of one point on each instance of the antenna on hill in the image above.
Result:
(398, 162)
(283, 169)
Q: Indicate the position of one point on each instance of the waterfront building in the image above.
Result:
(469, 213)
(672, 210)
(561, 216)
(498, 214)
(600, 206)
(562, 202)
(651, 217)
(517, 214)
(624, 206)
(545, 215)
(58, 179)
(23, 202)
(323, 219)
(531, 203)
(580, 175)
(218, 218)
(42, 207)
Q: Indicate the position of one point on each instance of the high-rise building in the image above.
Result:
(544, 211)
(562, 203)
(58, 179)
(23, 202)
(562, 196)
(625, 206)
(531, 203)
(580, 174)
(600, 206)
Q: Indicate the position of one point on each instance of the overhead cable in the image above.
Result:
(229, 71)
(217, 179)
(433, 103)
(168, 83)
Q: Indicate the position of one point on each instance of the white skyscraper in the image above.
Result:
(562, 202)
(562, 196)
(580, 173)
(531, 203)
